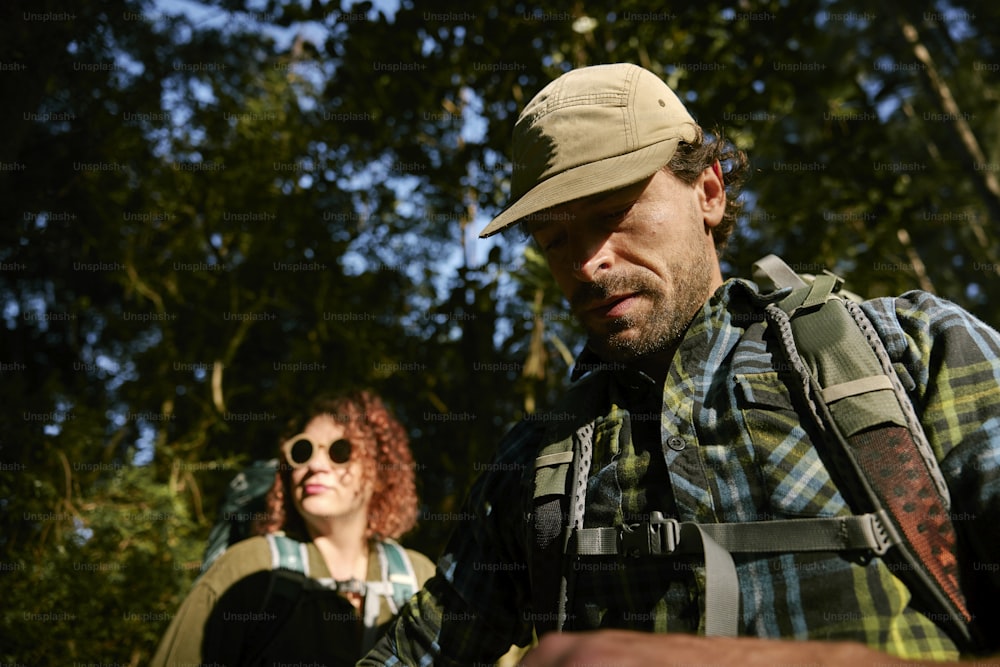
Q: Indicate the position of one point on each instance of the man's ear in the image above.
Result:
(711, 190)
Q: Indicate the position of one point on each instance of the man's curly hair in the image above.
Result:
(387, 464)
(692, 158)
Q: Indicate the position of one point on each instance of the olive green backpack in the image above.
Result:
(881, 456)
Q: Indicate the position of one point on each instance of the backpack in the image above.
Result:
(242, 505)
(290, 584)
(843, 373)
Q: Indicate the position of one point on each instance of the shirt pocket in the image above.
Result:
(796, 480)
(767, 410)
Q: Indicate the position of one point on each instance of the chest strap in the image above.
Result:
(662, 537)
(717, 541)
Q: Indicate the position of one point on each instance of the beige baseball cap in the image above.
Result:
(592, 130)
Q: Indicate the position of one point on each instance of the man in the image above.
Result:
(683, 413)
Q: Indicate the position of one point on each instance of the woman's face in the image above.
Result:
(326, 492)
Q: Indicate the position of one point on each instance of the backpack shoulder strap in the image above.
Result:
(288, 554)
(879, 450)
(771, 274)
(244, 501)
(561, 470)
(289, 573)
(554, 468)
(397, 586)
(399, 573)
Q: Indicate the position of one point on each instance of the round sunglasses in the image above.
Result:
(299, 450)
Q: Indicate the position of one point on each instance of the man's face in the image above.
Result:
(636, 264)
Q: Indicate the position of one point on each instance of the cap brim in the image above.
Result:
(586, 180)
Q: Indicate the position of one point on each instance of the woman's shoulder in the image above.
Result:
(423, 567)
(241, 559)
(252, 547)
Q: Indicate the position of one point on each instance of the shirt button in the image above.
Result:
(676, 443)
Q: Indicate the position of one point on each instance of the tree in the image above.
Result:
(214, 214)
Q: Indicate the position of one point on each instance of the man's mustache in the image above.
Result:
(589, 294)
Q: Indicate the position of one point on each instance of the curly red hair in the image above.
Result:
(387, 464)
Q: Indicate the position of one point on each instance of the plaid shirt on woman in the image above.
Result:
(723, 443)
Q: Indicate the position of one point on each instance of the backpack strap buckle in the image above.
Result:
(879, 529)
(658, 536)
(350, 586)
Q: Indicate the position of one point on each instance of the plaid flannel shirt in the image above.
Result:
(725, 445)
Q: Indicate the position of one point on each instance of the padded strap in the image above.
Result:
(397, 573)
(878, 449)
(771, 273)
(551, 502)
(288, 554)
(583, 443)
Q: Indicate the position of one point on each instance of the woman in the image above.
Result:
(344, 492)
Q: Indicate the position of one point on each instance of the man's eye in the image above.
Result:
(548, 242)
(618, 214)
(552, 244)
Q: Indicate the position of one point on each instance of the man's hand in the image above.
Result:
(623, 648)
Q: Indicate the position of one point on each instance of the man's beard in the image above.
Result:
(654, 331)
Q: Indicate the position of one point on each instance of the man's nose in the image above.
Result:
(591, 256)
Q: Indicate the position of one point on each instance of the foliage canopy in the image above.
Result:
(214, 210)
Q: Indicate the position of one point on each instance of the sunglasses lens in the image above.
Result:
(300, 452)
(340, 451)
